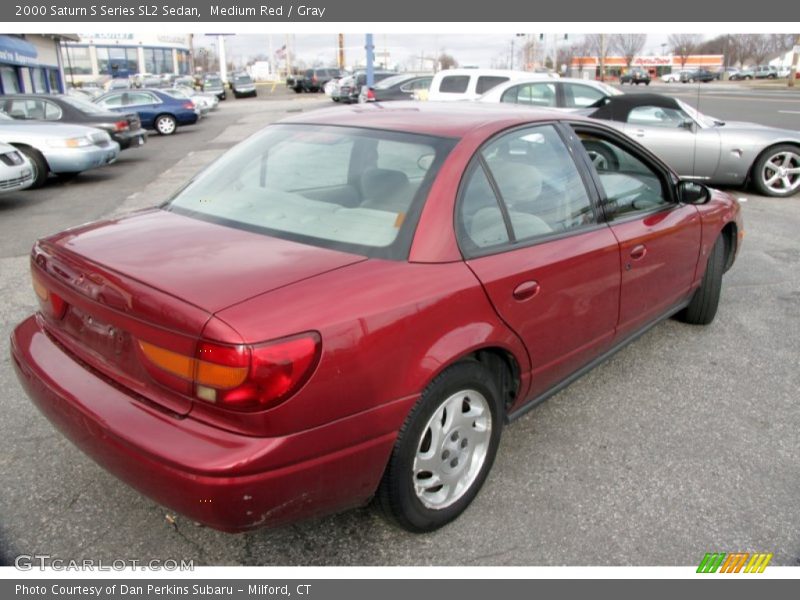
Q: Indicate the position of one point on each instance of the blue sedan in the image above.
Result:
(156, 109)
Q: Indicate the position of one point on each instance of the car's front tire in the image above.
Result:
(38, 165)
(702, 308)
(165, 124)
(776, 171)
(444, 450)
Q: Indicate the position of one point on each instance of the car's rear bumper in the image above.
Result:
(130, 139)
(187, 117)
(220, 478)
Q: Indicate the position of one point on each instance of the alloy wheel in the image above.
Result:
(781, 173)
(452, 449)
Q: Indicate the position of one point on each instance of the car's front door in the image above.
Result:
(529, 227)
(659, 238)
(693, 151)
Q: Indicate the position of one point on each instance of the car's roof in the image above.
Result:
(617, 108)
(447, 119)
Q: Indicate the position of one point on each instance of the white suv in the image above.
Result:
(471, 84)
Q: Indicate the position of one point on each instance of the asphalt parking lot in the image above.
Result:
(685, 442)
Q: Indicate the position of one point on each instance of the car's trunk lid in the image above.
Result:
(158, 277)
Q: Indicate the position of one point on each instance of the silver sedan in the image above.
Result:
(58, 148)
(703, 148)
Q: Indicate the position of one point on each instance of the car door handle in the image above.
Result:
(638, 252)
(526, 290)
(640, 133)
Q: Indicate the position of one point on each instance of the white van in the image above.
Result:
(471, 84)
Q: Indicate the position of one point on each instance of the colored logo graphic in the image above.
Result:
(734, 562)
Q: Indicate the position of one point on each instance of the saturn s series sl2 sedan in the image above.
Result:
(352, 303)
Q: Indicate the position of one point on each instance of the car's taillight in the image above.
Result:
(238, 377)
(189, 105)
(121, 126)
(370, 94)
(51, 303)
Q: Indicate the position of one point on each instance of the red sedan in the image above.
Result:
(352, 303)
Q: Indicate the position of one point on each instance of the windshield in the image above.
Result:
(85, 106)
(213, 81)
(358, 190)
(175, 93)
(390, 81)
(702, 120)
(242, 79)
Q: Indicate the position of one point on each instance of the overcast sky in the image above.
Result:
(403, 49)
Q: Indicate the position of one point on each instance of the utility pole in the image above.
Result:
(370, 48)
(602, 57)
(511, 57)
(288, 57)
(341, 51)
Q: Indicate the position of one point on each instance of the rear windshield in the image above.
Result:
(85, 106)
(242, 79)
(213, 81)
(346, 188)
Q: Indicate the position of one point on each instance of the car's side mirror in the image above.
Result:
(691, 192)
(688, 124)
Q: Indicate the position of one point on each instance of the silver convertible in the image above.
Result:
(703, 148)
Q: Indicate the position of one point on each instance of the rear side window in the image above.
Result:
(487, 82)
(454, 84)
(532, 94)
(581, 96)
(537, 190)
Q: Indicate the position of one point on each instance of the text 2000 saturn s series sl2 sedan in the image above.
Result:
(353, 302)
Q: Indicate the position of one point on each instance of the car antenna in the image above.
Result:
(696, 128)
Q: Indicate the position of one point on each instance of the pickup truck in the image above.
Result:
(312, 80)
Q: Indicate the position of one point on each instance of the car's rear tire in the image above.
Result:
(165, 124)
(702, 308)
(776, 172)
(38, 164)
(444, 450)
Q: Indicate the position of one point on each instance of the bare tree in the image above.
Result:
(782, 42)
(565, 55)
(581, 49)
(597, 44)
(684, 45)
(628, 45)
(739, 48)
(760, 47)
(527, 53)
(446, 61)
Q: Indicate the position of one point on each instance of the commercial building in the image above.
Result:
(104, 55)
(588, 67)
(31, 64)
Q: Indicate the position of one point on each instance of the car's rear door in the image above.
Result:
(659, 238)
(529, 228)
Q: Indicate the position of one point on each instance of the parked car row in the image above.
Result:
(730, 154)
(66, 134)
